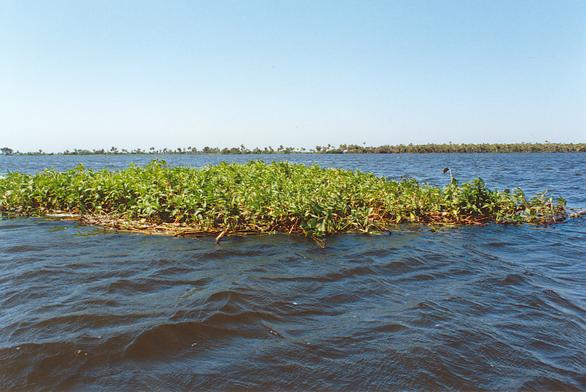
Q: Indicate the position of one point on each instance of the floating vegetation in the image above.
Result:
(257, 197)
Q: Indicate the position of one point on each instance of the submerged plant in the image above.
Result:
(257, 197)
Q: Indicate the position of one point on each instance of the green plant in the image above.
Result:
(257, 197)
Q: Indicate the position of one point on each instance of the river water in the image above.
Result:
(483, 308)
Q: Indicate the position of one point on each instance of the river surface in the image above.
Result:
(467, 308)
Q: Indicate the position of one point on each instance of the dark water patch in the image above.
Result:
(102, 302)
(85, 321)
(16, 298)
(423, 277)
(40, 274)
(562, 303)
(329, 277)
(223, 254)
(37, 366)
(547, 384)
(378, 253)
(497, 244)
(167, 339)
(390, 328)
(23, 248)
(406, 264)
(140, 285)
(9, 226)
(511, 279)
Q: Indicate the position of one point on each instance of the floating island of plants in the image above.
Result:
(259, 198)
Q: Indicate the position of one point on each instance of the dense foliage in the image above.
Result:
(258, 197)
(458, 148)
(329, 149)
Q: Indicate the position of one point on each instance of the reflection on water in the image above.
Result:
(494, 307)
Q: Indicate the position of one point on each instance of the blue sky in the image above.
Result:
(185, 73)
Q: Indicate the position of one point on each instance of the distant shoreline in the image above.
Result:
(329, 149)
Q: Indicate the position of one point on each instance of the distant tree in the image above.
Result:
(7, 151)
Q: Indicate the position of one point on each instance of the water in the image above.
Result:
(493, 307)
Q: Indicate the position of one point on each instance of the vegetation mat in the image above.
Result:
(258, 197)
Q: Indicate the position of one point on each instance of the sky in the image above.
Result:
(136, 74)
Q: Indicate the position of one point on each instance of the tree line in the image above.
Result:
(330, 149)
